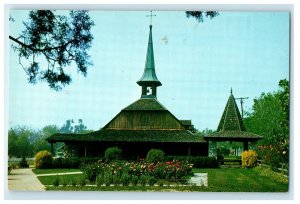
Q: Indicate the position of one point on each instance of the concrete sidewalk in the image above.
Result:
(24, 180)
(59, 174)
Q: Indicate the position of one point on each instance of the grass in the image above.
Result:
(219, 180)
(48, 180)
(244, 180)
(53, 171)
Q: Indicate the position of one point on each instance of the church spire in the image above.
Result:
(149, 81)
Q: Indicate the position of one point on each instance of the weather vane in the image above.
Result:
(150, 17)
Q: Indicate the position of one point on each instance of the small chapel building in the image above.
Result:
(146, 124)
(139, 127)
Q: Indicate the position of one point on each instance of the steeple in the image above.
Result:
(231, 118)
(149, 81)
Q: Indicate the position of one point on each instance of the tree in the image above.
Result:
(270, 118)
(40, 143)
(57, 40)
(200, 15)
(69, 127)
(19, 144)
(80, 128)
(204, 132)
(12, 146)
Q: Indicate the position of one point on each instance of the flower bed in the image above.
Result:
(124, 172)
(274, 155)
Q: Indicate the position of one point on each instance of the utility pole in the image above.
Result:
(242, 101)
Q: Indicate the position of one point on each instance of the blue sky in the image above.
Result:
(197, 64)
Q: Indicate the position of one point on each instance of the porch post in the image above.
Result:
(189, 151)
(85, 150)
(245, 145)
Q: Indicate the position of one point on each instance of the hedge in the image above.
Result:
(73, 162)
(198, 161)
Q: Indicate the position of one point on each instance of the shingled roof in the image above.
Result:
(145, 104)
(231, 125)
(231, 118)
(104, 135)
(233, 135)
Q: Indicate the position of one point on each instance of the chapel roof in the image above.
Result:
(146, 104)
(231, 118)
(231, 126)
(171, 136)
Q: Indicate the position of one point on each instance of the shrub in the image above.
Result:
(274, 155)
(125, 179)
(58, 163)
(23, 163)
(73, 182)
(108, 178)
(100, 180)
(113, 153)
(160, 183)
(143, 180)
(91, 171)
(204, 162)
(43, 160)
(222, 151)
(10, 168)
(89, 160)
(197, 161)
(56, 181)
(134, 180)
(155, 155)
(82, 181)
(72, 162)
(268, 172)
(65, 181)
(152, 180)
(249, 158)
(116, 180)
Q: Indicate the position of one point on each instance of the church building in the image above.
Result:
(139, 127)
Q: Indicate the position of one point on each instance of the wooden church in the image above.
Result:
(139, 127)
(147, 124)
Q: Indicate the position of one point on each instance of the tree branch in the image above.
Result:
(39, 50)
(19, 42)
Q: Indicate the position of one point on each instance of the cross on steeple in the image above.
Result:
(150, 17)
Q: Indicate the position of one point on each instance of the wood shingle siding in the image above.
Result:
(145, 120)
(145, 114)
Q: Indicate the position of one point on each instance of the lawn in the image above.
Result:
(244, 180)
(53, 171)
(48, 180)
(219, 180)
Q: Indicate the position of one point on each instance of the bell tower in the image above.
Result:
(149, 81)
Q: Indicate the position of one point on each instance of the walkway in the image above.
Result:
(59, 174)
(24, 180)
